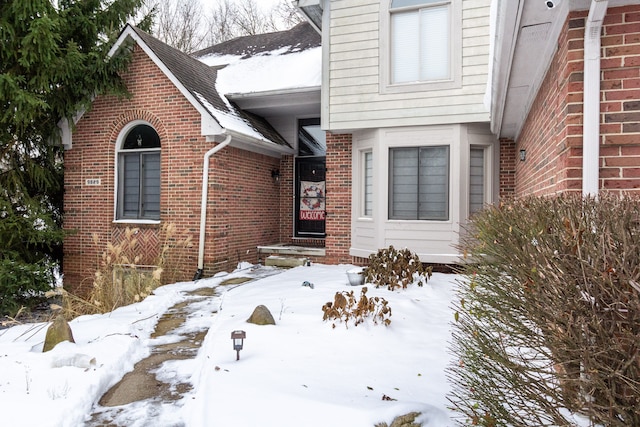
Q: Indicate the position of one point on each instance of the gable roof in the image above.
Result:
(197, 77)
(197, 81)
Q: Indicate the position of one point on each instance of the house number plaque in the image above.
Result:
(92, 181)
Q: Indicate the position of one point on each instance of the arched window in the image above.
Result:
(138, 194)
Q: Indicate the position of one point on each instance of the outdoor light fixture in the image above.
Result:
(275, 175)
(238, 341)
(523, 155)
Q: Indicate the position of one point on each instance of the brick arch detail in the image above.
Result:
(148, 237)
(131, 115)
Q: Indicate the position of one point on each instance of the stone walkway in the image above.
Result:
(141, 387)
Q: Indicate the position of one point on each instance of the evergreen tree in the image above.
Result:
(52, 62)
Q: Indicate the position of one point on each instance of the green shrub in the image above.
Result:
(395, 268)
(23, 284)
(345, 308)
(548, 316)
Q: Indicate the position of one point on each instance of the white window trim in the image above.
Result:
(449, 192)
(362, 171)
(455, 80)
(424, 140)
(119, 143)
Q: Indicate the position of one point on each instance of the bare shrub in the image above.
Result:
(121, 280)
(548, 315)
(346, 308)
(395, 268)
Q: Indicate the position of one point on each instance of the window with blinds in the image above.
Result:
(419, 183)
(476, 180)
(420, 41)
(139, 175)
(368, 183)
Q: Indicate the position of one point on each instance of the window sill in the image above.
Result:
(137, 221)
(420, 86)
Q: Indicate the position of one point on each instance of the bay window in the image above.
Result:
(368, 183)
(477, 179)
(419, 183)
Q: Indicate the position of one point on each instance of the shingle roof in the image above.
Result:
(298, 38)
(194, 75)
(200, 80)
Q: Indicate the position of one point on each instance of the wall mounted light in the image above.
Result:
(238, 341)
(523, 155)
(275, 175)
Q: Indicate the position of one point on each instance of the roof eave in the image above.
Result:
(256, 145)
(312, 11)
(298, 101)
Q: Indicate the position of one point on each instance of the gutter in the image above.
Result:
(591, 107)
(203, 202)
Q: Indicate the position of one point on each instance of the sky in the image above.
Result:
(302, 371)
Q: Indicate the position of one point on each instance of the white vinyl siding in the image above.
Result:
(358, 93)
(420, 45)
(368, 183)
(419, 183)
(476, 179)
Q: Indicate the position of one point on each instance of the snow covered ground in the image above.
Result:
(300, 372)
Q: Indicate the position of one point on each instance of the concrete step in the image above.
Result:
(284, 262)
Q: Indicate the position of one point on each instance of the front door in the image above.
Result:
(310, 197)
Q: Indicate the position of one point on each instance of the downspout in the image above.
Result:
(591, 107)
(203, 203)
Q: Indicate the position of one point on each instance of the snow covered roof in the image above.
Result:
(283, 62)
(199, 80)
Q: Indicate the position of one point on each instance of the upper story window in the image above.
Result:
(138, 191)
(420, 45)
(420, 41)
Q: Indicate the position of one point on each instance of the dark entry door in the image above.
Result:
(310, 197)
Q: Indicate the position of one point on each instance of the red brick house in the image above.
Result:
(343, 136)
(349, 156)
(140, 162)
(566, 96)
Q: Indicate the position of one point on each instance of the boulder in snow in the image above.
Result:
(58, 331)
(261, 316)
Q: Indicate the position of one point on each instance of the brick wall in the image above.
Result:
(243, 203)
(552, 134)
(287, 197)
(620, 105)
(508, 158)
(338, 222)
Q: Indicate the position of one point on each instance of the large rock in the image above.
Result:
(261, 316)
(407, 420)
(58, 331)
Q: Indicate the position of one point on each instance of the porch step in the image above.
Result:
(284, 262)
(291, 250)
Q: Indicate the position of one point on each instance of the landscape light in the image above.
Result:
(238, 341)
